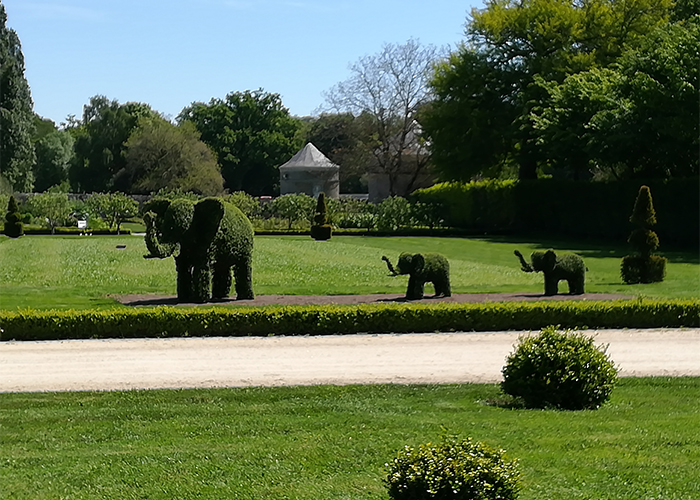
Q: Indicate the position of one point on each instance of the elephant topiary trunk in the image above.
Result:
(210, 240)
(568, 267)
(423, 268)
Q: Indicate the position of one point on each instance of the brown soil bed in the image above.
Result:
(266, 300)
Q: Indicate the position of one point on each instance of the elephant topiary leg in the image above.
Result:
(442, 288)
(221, 281)
(415, 288)
(551, 284)
(184, 279)
(576, 285)
(243, 273)
(201, 284)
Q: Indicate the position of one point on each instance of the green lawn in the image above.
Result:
(80, 272)
(332, 442)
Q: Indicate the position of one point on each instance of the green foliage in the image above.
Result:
(638, 269)
(563, 208)
(54, 153)
(113, 208)
(244, 202)
(52, 208)
(321, 229)
(160, 155)
(100, 144)
(213, 238)
(482, 205)
(331, 320)
(564, 370)
(16, 115)
(643, 213)
(251, 134)
(354, 213)
(13, 220)
(394, 213)
(429, 267)
(293, 207)
(645, 267)
(176, 220)
(488, 91)
(453, 469)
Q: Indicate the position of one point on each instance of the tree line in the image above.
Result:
(584, 90)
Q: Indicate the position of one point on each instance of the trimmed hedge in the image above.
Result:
(64, 231)
(562, 208)
(329, 320)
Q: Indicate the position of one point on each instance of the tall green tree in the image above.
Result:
(637, 118)
(251, 134)
(54, 153)
(100, 137)
(160, 155)
(16, 112)
(509, 44)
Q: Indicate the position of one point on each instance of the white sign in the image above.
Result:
(82, 224)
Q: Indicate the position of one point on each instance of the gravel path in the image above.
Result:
(276, 361)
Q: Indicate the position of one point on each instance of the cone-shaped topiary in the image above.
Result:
(13, 220)
(321, 229)
(645, 267)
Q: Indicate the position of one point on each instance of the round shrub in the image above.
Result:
(562, 370)
(453, 469)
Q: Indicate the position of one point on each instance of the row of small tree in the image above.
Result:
(54, 209)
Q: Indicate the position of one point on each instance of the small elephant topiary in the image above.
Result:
(423, 268)
(568, 267)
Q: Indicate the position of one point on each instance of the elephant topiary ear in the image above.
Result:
(418, 262)
(207, 218)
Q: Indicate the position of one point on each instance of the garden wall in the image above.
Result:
(559, 208)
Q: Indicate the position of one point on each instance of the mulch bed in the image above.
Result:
(267, 300)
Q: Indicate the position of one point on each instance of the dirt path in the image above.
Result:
(277, 361)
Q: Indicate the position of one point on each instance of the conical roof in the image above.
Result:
(309, 157)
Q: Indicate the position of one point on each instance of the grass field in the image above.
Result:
(332, 442)
(80, 272)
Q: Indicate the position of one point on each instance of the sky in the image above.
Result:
(172, 53)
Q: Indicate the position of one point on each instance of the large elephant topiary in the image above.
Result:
(211, 239)
(567, 267)
(423, 268)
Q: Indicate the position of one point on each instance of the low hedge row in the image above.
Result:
(73, 231)
(327, 320)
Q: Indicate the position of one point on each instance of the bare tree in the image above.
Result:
(385, 92)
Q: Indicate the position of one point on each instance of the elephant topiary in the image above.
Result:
(211, 238)
(568, 267)
(431, 267)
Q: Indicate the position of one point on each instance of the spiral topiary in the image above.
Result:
(321, 229)
(644, 267)
(13, 220)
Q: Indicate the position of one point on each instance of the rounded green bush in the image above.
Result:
(453, 469)
(562, 370)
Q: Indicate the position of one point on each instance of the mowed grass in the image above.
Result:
(332, 442)
(81, 272)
